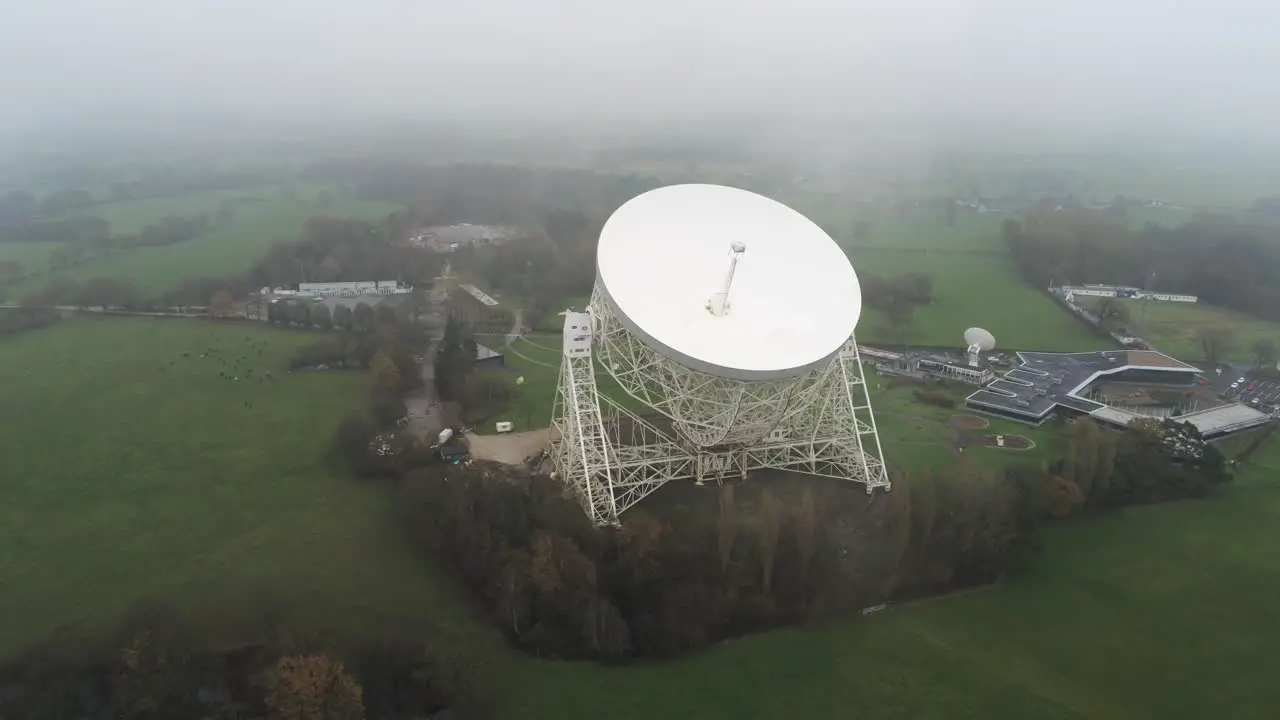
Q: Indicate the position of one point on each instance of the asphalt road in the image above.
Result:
(421, 408)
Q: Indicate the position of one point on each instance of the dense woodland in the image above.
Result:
(1226, 262)
(770, 551)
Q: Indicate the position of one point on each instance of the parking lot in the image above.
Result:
(1266, 393)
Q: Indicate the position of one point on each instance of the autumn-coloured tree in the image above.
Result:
(509, 590)
(726, 527)
(222, 304)
(145, 676)
(638, 543)
(805, 527)
(299, 314)
(1216, 342)
(604, 629)
(342, 317)
(320, 316)
(899, 512)
(312, 687)
(1059, 497)
(768, 528)
(385, 373)
(362, 317)
(1083, 451)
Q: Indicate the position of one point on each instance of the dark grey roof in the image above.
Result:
(1044, 381)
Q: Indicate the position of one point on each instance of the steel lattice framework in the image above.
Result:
(819, 423)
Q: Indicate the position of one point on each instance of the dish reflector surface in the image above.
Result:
(982, 338)
(793, 302)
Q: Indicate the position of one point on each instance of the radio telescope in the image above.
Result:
(731, 316)
(978, 341)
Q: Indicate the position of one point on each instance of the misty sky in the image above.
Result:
(1087, 62)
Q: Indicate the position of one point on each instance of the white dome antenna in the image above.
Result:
(978, 341)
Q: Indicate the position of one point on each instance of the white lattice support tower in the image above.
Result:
(582, 454)
(611, 458)
(834, 436)
(709, 410)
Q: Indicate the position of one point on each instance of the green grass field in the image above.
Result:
(1173, 328)
(130, 216)
(537, 360)
(927, 231)
(33, 256)
(221, 252)
(974, 289)
(131, 471)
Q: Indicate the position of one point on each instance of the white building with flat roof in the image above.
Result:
(352, 289)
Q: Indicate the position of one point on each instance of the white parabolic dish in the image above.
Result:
(982, 338)
(794, 301)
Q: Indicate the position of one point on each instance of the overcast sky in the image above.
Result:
(1089, 63)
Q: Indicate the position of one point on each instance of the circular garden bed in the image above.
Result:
(1011, 442)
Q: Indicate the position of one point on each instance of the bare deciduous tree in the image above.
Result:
(768, 527)
(726, 527)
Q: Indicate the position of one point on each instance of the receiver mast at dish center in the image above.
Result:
(731, 316)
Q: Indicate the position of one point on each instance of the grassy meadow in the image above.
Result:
(1173, 327)
(924, 231)
(133, 471)
(971, 289)
(130, 216)
(219, 252)
(31, 255)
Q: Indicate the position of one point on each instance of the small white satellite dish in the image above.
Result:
(977, 341)
(977, 336)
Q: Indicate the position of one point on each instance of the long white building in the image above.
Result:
(1120, 291)
(352, 289)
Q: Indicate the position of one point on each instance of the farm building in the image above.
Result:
(479, 310)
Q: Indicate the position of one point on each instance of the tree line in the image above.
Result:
(81, 239)
(498, 194)
(561, 211)
(773, 550)
(1151, 461)
(336, 250)
(1226, 262)
(898, 297)
(155, 665)
(21, 319)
